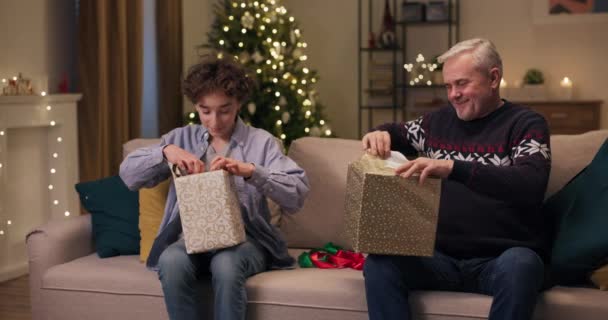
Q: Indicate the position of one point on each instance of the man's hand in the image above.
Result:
(377, 143)
(233, 166)
(183, 159)
(426, 167)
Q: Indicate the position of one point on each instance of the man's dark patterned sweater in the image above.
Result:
(491, 201)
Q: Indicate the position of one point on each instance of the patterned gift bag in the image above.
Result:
(209, 210)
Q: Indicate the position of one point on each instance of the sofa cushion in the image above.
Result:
(321, 220)
(151, 210)
(581, 243)
(126, 288)
(599, 277)
(570, 154)
(115, 211)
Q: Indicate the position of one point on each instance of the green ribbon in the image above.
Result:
(304, 258)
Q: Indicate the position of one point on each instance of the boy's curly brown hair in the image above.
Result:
(213, 75)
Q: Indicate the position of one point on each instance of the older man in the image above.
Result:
(494, 159)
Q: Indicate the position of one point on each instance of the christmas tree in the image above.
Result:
(264, 38)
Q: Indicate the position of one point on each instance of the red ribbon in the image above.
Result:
(339, 260)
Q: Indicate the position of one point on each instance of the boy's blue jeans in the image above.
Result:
(182, 275)
(514, 279)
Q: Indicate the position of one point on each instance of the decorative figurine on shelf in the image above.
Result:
(371, 42)
(387, 38)
(64, 84)
(17, 86)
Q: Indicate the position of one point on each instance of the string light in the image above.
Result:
(243, 30)
(328, 132)
(283, 136)
(59, 139)
(52, 123)
(279, 122)
(277, 94)
(48, 108)
(307, 130)
(321, 122)
(67, 213)
(305, 70)
(277, 108)
(226, 28)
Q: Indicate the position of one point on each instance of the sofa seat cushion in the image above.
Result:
(300, 292)
(116, 275)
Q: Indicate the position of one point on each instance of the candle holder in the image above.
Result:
(565, 90)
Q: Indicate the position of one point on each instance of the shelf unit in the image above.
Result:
(397, 55)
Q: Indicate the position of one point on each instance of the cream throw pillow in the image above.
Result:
(600, 277)
(151, 209)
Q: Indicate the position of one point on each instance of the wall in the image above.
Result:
(38, 40)
(330, 29)
(197, 17)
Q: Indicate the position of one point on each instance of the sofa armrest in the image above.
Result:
(54, 243)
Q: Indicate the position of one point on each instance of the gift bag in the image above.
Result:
(209, 210)
(387, 214)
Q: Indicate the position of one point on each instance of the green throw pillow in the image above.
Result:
(115, 215)
(581, 212)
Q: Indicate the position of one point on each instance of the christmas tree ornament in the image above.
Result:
(244, 57)
(251, 107)
(257, 57)
(282, 101)
(285, 117)
(247, 20)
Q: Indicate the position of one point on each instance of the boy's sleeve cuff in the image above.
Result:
(259, 176)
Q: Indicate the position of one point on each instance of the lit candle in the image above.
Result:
(566, 88)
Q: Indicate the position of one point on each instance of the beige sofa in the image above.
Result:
(69, 281)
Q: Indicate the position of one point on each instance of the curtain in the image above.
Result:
(169, 44)
(110, 69)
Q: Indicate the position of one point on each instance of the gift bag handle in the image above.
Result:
(176, 171)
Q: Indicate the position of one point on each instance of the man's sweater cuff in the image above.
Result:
(462, 171)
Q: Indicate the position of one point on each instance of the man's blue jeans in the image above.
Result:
(182, 275)
(513, 279)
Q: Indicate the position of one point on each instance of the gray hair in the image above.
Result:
(483, 51)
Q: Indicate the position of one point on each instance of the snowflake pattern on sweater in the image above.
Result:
(416, 137)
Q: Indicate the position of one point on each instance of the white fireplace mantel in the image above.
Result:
(39, 167)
